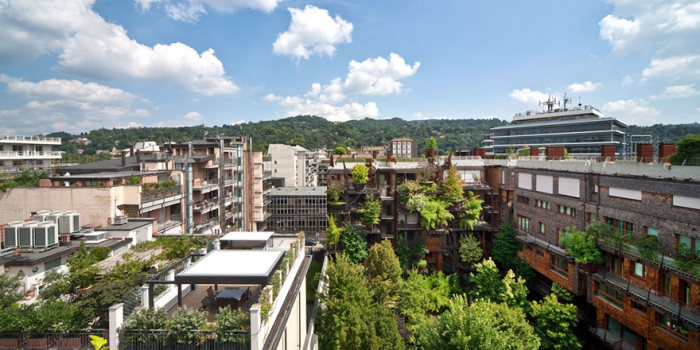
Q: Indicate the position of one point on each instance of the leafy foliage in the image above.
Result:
(416, 202)
(555, 322)
(146, 318)
(434, 215)
(333, 233)
(360, 174)
(183, 322)
(369, 210)
(424, 296)
(335, 192)
(470, 249)
(561, 293)
(383, 272)
(10, 291)
(487, 284)
(452, 187)
(688, 150)
(133, 180)
(504, 253)
(481, 325)
(649, 247)
(432, 144)
(354, 244)
(582, 247)
(469, 217)
(24, 179)
(228, 319)
(417, 250)
(340, 150)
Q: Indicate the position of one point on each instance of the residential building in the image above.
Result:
(295, 209)
(403, 147)
(581, 130)
(18, 153)
(293, 163)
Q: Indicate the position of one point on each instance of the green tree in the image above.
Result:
(555, 322)
(383, 272)
(184, 321)
(227, 320)
(402, 253)
(470, 249)
(332, 233)
(688, 150)
(505, 253)
(452, 187)
(10, 291)
(432, 144)
(360, 174)
(561, 293)
(417, 250)
(481, 325)
(423, 297)
(470, 214)
(354, 244)
(582, 246)
(487, 284)
(434, 215)
(369, 210)
(340, 150)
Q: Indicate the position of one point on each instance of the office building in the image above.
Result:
(295, 209)
(293, 163)
(18, 153)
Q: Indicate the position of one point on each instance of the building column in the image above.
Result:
(116, 318)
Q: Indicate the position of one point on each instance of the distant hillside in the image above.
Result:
(314, 132)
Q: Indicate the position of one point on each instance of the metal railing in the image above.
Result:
(30, 155)
(31, 139)
(194, 339)
(159, 193)
(79, 339)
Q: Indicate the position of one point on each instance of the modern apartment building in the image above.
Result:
(581, 130)
(294, 163)
(632, 300)
(296, 209)
(18, 153)
(403, 147)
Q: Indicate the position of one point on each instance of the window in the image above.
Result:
(542, 204)
(542, 228)
(567, 210)
(616, 266)
(523, 200)
(539, 253)
(666, 288)
(685, 292)
(620, 225)
(610, 294)
(688, 242)
(524, 223)
(679, 328)
(639, 269)
(560, 265)
(639, 307)
(52, 264)
(651, 231)
(592, 217)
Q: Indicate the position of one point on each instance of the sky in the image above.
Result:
(78, 65)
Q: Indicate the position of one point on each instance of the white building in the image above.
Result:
(294, 163)
(19, 153)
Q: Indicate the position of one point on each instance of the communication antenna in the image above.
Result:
(579, 101)
(551, 101)
(566, 100)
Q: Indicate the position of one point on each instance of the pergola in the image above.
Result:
(245, 240)
(229, 266)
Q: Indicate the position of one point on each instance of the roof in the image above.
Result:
(247, 236)
(526, 124)
(241, 267)
(299, 191)
(36, 257)
(396, 139)
(132, 224)
(106, 175)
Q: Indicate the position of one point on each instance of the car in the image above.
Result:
(310, 242)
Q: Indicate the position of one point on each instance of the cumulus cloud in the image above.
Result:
(312, 31)
(627, 80)
(373, 76)
(620, 32)
(189, 10)
(586, 86)
(90, 46)
(673, 67)
(193, 116)
(633, 111)
(528, 97)
(678, 91)
(69, 105)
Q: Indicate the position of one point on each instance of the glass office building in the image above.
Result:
(580, 130)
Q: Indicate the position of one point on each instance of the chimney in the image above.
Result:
(138, 156)
(123, 158)
(607, 152)
(645, 152)
(389, 154)
(374, 154)
(131, 151)
(331, 163)
(666, 150)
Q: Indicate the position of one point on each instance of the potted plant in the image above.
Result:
(360, 176)
(335, 194)
(369, 211)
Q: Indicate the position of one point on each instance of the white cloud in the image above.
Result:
(673, 67)
(586, 86)
(193, 116)
(678, 91)
(90, 46)
(189, 10)
(620, 32)
(69, 105)
(373, 76)
(633, 111)
(627, 80)
(529, 97)
(312, 31)
(240, 122)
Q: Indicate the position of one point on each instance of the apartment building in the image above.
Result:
(403, 147)
(18, 153)
(632, 300)
(294, 163)
(296, 209)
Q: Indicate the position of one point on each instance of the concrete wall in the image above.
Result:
(32, 279)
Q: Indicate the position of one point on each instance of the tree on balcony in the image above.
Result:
(360, 174)
(369, 210)
(582, 246)
(434, 215)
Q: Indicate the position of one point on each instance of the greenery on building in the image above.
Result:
(353, 244)
(360, 174)
(369, 210)
(26, 178)
(687, 150)
(582, 246)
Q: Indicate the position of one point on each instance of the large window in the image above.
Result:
(560, 265)
(679, 328)
(639, 270)
(611, 294)
(567, 210)
(542, 228)
(524, 223)
(689, 243)
(542, 204)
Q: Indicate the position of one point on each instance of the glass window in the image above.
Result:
(684, 240)
(614, 326)
(667, 285)
(542, 228)
(639, 269)
(560, 265)
(652, 232)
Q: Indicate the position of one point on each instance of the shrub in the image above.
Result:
(434, 214)
(687, 149)
(335, 192)
(649, 247)
(369, 210)
(353, 244)
(184, 321)
(146, 319)
(416, 202)
(332, 232)
(228, 320)
(582, 247)
(360, 174)
(133, 180)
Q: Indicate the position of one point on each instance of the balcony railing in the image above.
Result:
(207, 205)
(30, 155)
(160, 193)
(31, 139)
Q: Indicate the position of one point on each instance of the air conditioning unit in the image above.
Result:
(26, 234)
(45, 234)
(41, 215)
(12, 233)
(95, 237)
(69, 222)
(54, 216)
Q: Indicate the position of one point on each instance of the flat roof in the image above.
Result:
(232, 267)
(581, 120)
(108, 175)
(131, 224)
(299, 191)
(37, 256)
(247, 236)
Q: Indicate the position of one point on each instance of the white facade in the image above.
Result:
(293, 163)
(18, 153)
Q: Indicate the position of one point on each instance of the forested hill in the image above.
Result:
(313, 132)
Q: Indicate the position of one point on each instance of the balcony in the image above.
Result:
(31, 140)
(11, 155)
(160, 198)
(174, 223)
(207, 205)
(206, 185)
(206, 226)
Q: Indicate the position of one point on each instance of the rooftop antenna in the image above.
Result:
(579, 101)
(566, 100)
(551, 101)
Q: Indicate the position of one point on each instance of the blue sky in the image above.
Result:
(76, 65)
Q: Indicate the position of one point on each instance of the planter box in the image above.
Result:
(37, 343)
(359, 187)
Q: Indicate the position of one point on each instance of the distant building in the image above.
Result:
(403, 148)
(18, 153)
(293, 163)
(295, 209)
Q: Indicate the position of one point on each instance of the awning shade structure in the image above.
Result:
(245, 240)
(232, 267)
